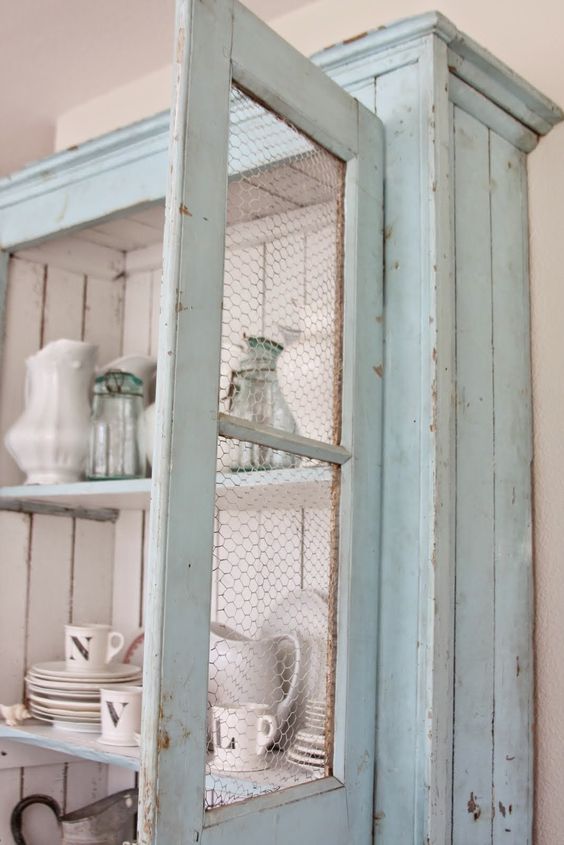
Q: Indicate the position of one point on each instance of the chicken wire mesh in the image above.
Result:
(272, 642)
(276, 530)
(283, 266)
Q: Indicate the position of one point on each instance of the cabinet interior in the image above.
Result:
(101, 284)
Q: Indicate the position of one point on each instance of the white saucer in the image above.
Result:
(56, 670)
(67, 715)
(64, 704)
(85, 689)
(79, 727)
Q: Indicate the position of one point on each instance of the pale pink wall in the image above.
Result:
(528, 37)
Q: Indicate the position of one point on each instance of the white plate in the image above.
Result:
(310, 751)
(71, 687)
(65, 715)
(80, 727)
(56, 670)
(86, 715)
(63, 695)
(64, 704)
(305, 760)
(306, 738)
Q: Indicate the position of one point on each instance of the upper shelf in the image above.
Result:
(271, 489)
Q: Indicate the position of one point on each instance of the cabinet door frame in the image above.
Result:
(219, 42)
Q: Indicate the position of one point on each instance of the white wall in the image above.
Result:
(528, 37)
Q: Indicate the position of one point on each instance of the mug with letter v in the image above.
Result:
(121, 714)
(90, 647)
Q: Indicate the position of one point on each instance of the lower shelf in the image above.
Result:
(85, 746)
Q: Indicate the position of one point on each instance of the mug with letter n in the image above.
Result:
(91, 647)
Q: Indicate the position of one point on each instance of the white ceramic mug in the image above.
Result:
(91, 646)
(121, 714)
(241, 735)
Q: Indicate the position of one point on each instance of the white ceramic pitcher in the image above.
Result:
(49, 441)
(266, 671)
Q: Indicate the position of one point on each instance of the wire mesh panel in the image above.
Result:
(276, 533)
(282, 286)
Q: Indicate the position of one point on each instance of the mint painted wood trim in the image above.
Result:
(266, 435)
(183, 491)
(474, 64)
(475, 593)
(513, 724)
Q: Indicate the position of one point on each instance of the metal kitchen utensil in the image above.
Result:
(105, 822)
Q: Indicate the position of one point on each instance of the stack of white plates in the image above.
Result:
(71, 700)
(308, 748)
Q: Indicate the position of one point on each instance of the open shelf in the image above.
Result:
(269, 489)
(86, 747)
(83, 745)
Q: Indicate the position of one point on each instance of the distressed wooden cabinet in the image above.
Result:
(434, 551)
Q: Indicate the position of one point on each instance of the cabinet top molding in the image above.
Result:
(76, 187)
(467, 60)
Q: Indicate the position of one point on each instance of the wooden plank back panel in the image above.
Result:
(66, 572)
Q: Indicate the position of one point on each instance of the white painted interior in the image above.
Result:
(78, 86)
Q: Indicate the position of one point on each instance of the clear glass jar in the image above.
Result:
(117, 408)
(256, 396)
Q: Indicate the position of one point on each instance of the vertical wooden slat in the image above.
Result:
(48, 611)
(93, 572)
(23, 308)
(513, 722)
(138, 303)
(182, 514)
(474, 658)
(14, 531)
(127, 576)
(399, 634)
(156, 276)
(64, 303)
(103, 316)
(360, 479)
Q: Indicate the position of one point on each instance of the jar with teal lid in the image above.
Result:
(117, 409)
(255, 395)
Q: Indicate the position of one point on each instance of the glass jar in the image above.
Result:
(255, 395)
(117, 408)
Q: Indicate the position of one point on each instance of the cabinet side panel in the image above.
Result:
(398, 106)
(513, 740)
(474, 672)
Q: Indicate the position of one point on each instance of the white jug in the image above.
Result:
(266, 671)
(49, 441)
